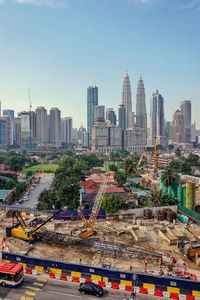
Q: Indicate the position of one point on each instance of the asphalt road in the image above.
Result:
(45, 183)
(41, 288)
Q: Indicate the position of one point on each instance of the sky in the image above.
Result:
(58, 48)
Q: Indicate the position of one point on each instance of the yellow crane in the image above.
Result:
(88, 225)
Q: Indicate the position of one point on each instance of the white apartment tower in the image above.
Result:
(54, 126)
(41, 125)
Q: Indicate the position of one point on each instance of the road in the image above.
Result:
(37, 288)
(45, 183)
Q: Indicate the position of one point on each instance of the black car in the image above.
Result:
(91, 288)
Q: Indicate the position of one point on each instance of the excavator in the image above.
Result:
(21, 230)
(190, 249)
(88, 225)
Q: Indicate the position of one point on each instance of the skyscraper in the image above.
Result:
(141, 115)
(67, 123)
(41, 125)
(127, 101)
(99, 113)
(186, 110)
(54, 126)
(122, 117)
(157, 120)
(111, 116)
(92, 101)
(178, 127)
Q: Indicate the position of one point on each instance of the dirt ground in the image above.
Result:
(114, 244)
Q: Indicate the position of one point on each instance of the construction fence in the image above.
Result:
(161, 286)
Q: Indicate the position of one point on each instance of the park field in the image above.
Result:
(41, 168)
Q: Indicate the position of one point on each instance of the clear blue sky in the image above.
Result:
(58, 48)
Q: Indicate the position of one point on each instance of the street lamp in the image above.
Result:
(134, 282)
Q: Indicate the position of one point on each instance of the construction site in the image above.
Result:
(156, 240)
(147, 240)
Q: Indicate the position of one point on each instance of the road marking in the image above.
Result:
(38, 284)
(33, 288)
(30, 293)
(42, 280)
(64, 294)
(25, 298)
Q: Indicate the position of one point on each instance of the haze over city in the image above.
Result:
(59, 48)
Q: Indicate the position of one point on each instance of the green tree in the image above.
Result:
(178, 152)
(121, 178)
(112, 167)
(186, 168)
(130, 166)
(113, 203)
(168, 177)
(193, 159)
(157, 199)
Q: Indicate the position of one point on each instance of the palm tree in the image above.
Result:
(130, 167)
(168, 177)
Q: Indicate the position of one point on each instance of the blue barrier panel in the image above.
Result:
(111, 274)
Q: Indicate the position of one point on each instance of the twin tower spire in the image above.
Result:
(141, 115)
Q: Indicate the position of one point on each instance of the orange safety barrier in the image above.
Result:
(158, 293)
(28, 271)
(88, 280)
(143, 291)
(102, 283)
(115, 285)
(75, 279)
(63, 277)
(174, 296)
(190, 297)
(52, 275)
(128, 288)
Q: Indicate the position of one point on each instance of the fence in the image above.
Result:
(162, 286)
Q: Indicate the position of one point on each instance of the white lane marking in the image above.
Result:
(64, 294)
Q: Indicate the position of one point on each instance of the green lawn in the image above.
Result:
(41, 168)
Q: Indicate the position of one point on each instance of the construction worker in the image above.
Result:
(145, 263)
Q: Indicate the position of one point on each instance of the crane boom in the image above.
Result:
(88, 224)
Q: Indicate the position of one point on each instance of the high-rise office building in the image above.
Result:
(9, 115)
(178, 127)
(92, 101)
(186, 109)
(41, 125)
(122, 117)
(54, 126)
(99, 113)
(127, 102)
(141, 115)
(68, 125)
(111, 116)
(18, 132)
(25, 130)
(9, 112)
(157, 120)
(3, 133)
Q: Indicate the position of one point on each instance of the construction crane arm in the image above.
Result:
(49, 219)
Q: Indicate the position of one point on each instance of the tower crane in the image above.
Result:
(88, 225)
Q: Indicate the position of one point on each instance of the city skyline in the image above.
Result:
(46, 48)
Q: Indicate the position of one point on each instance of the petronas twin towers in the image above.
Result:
(141, 115)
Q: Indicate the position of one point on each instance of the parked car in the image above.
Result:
(91, 289)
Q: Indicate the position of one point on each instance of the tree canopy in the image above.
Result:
(113, 203)
(65, 188)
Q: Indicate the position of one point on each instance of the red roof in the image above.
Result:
(10, 268)
(88, 184)
(115, 189)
